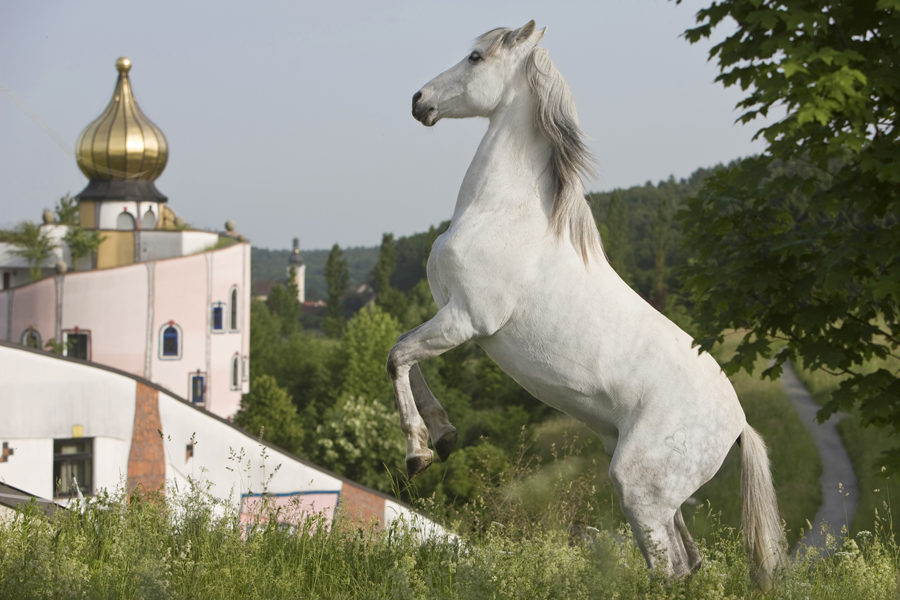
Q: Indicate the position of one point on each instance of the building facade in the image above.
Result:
(73, 428)
(154, 297)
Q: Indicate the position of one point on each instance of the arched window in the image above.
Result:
(235, 372)
(233, 317)
(31, 338)
(170, 341)
(148, 221)
(124, 221)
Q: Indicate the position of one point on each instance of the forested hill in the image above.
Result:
(271, 265)
(640, 237)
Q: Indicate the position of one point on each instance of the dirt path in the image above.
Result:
(838, 481)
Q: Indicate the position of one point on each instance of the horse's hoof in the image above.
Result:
(445, 445)
(417, 464)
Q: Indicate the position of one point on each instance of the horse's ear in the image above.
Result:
(525, 31)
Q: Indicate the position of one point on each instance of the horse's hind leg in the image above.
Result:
(657, 537)
(690, 546)
(651, 504)
(442, 432)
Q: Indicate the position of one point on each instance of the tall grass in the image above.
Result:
(147, 548)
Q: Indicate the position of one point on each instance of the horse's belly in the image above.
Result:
(567, 386)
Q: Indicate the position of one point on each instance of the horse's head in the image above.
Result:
(479, 83)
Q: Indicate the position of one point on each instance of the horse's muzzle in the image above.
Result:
(427, 115)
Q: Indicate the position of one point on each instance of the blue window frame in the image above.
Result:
(170, 341)
(198, 388)
(218, 317)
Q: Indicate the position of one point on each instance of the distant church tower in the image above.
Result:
(296, 262)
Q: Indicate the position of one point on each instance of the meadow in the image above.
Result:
(548, 527)
(147, 548)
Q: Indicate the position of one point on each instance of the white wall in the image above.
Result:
(31, 465)
(42, 397)
(160, 244)
(230, 461)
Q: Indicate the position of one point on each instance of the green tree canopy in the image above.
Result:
(390, 299)
(268, 411)
(67, 211)
(336, 277)
(800, 245)
(284, 305)
(360, 439)
(367, 340)
(82, 243)
(32, 244)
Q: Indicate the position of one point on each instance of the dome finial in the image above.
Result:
(122, 144)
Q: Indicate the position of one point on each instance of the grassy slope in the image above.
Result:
(180, 549)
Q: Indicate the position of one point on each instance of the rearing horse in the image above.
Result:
(521, 272)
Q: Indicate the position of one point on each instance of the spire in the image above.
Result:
(296, 258)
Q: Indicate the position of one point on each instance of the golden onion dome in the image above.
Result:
(122, 143)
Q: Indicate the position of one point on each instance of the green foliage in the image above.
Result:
(305, 365)
(284, 305)
(337, 278)
(81, 242)
(361, 439)
(802, 243)
(412, 257)
(184, 546)
(641, 238)
(879, 491)
(67, 211)
(368, 338)
(614, 230)
(269, 412)
(32, 244)
(388, 298)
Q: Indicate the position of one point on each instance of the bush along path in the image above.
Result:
(840, 493)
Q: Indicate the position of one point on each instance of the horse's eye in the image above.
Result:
(475, 57)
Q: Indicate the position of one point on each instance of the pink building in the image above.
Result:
(154, 298)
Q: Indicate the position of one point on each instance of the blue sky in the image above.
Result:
(293, 118)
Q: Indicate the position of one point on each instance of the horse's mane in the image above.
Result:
(557, 119)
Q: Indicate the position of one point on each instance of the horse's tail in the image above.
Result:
(760, 517)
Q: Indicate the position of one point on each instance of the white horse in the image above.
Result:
(521, 272)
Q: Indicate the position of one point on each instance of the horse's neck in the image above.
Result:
(511, 168)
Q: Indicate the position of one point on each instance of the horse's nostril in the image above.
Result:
(416, 97)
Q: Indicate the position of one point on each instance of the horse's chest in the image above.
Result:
(470, 263)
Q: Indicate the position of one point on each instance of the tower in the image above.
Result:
(121, 152)
(296, 263)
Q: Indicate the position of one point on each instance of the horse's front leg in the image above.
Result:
(442, 432)
(446, 330)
